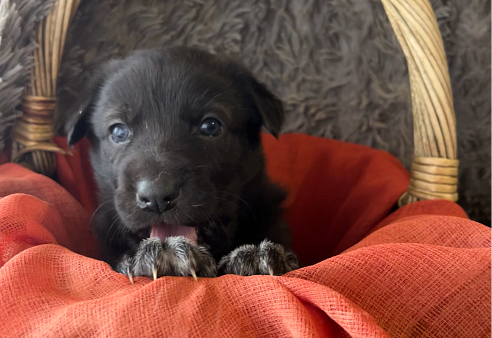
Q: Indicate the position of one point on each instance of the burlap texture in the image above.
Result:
(424, 271)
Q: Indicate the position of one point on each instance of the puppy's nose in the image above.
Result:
(155, 198)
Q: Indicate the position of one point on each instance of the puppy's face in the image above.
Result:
(175, 138)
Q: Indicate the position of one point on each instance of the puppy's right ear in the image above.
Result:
(78, 125)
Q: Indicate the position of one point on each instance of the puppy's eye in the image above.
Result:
(211, 127)
(119, 132)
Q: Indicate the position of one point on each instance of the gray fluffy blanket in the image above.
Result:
(336, 64)
(18, 27)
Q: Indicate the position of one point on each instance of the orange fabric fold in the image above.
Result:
(423, 271)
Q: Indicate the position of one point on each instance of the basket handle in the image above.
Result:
(434, 171)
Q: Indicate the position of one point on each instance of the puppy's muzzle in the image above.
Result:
(157, 198)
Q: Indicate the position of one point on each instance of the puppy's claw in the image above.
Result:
(130, 276)
(270, 271)
(193, 273)
(154, 272)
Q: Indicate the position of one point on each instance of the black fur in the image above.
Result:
(163, 95)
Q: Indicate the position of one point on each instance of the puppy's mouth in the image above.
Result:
(163, 230)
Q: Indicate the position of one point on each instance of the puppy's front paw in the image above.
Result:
(175, 256)
(265, 259)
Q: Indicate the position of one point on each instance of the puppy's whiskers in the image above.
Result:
(159, 176)
(203, 166)
(98, 208)
(212, 100)
(231, 203)
(241, 200)
(110, 228)
(217, 217)
(188, 215)
(205, 93)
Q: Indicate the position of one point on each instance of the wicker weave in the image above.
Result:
(434, 171)
(32, 134)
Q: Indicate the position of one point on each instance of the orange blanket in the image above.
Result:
(425, 271)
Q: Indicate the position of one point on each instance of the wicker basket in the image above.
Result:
(434, 171)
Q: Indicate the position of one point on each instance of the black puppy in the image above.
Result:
(177, 157)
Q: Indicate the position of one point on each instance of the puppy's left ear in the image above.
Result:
(78, 125)
(270, 107)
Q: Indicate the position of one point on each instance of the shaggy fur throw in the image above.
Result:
(336, 64)
(18, 26)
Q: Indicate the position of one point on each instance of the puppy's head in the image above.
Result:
(175, 138)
